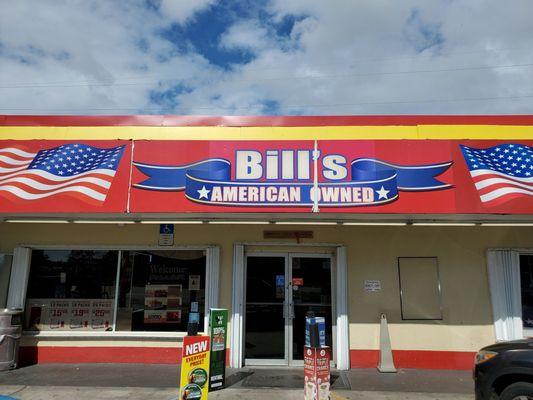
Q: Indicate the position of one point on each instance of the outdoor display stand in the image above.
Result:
(321, 323)
(218, 326)
(316, 366)
(194, 378)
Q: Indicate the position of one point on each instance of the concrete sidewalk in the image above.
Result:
(134, 393)
(140, 381)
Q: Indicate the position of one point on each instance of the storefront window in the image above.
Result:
(526, 283)
(71, 290)
(75, 290)
(420, 297)
(159, 288)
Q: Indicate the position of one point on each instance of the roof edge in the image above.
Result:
(253, 121)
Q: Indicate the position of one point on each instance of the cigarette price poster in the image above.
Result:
(70, 314)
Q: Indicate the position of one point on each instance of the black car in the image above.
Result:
(505, 371)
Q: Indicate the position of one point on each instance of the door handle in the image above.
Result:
(288, 311)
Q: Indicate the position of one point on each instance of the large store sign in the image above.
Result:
(352, 176)
(346, 176)
(283, 178)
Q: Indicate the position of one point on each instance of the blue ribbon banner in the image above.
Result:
(374, 182)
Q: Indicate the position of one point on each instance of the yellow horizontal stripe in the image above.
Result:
(475, 132)
(503, 132)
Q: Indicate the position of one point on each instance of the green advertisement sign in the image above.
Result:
(218, 328)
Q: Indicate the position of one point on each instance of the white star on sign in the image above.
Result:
(203, 192)
(382, 193)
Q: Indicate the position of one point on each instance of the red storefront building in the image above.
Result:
(113, 228)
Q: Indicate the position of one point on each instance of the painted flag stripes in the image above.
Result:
(501, 173)
(79, 170)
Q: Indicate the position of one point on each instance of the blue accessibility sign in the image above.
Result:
(166, 229)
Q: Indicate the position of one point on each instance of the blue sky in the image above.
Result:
(266, 57)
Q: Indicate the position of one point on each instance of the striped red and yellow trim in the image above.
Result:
(262, 121)
(265, 128)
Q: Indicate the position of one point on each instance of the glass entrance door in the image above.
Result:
(310, 292)
(281, 289)
(266, 330)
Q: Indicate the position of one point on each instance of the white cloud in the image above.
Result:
(94, 57)
(341, 57)
(182, 10)
(247, 35)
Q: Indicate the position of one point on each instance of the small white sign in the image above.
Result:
(194, 306)
(194, 282)
(372, 285)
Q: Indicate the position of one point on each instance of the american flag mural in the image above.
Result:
(501, 173)
(79, 170)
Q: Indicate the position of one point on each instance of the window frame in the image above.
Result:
(4, 296)
(209, 286)
(526, 332)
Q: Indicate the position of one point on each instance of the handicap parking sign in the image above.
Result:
(166, 229)
(166, 234)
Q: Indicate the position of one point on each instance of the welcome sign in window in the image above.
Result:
(158, 288)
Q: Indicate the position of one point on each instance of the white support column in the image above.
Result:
(236, 341)
(18, 282)
(212, 281)
(343, 342)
